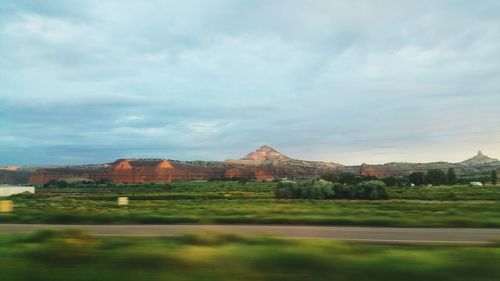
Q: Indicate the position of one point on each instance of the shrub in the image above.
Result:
(287, 190)
(417, 178)
(371, 190)
(436, 177)
(390, 181)
(452, 176)
(331, 177)
(321, 189)
(347, 178)
(479, 178)
(56, 184)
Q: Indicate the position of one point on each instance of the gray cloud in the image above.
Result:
(345, 81)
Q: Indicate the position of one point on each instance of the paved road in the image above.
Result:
(366, 234)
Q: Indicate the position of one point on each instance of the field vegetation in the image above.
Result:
(255, 203)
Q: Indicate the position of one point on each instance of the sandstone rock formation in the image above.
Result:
(44, 175)
(480, 158)
(265, 153)
(379, 171)
(265, 174)
(263, 164)
(233, 173)
(125, 171)
(14, 176)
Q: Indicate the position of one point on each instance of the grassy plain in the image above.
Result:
(232, 202)
(72, 255)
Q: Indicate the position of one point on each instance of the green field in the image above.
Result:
(72, 255)
(232, 202)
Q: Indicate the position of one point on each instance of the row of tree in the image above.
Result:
(322, 189)
(438, 177)
(432, 176)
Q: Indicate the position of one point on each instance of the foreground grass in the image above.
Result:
(231, 202)
(72, 255)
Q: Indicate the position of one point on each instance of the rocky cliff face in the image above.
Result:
(234, 173)
(44, 175)
(379, 171)
(265, 174)
(480, 158)
(14, 177)
(125, 171)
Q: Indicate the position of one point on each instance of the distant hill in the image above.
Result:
(480, 158)
(478, 164)
(265, 163)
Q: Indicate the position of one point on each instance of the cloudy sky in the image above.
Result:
(343, 81)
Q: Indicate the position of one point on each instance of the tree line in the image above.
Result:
(431, 177)
(322, 189)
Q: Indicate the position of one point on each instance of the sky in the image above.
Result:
(345, 81)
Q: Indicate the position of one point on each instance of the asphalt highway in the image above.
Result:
(361, 234)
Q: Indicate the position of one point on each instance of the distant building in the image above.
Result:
(8, 190)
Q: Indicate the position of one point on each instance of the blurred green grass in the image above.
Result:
(73, 255)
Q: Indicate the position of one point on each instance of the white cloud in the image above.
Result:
(47, 29)
(130, 118)
(204, 127)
